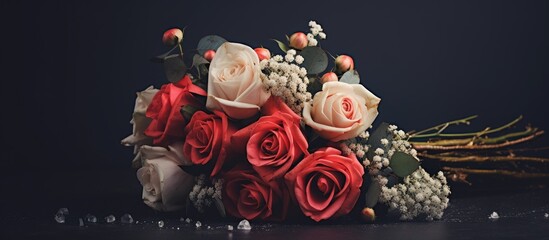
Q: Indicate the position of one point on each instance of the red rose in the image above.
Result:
(273, 143)
(208, 139)
(246, 195)
(326, 184)
(167, 123)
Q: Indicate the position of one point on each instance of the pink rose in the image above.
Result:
(246, 195)
(341, 111)
(326, 184)
(275, 142)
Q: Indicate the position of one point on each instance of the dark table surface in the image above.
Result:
(28, 213)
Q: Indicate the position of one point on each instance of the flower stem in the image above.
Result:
(495, 172)
(475, 134)
(479, 143)
(476, 158)
(440, 128)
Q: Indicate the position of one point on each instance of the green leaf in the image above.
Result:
(210, 42)
(372, 195)
(350, 77)
(375, 139)
(403, 164)
(281, 45)
(161, 58)
(199, 60)
(314, 85)
(315, 61)
(174, 67)
(220, 207)
(188, 111)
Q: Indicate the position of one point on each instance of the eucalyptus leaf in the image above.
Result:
(281, 45)
(199, 60)
(315, 60)
(210, 42)
(375, 139)
(161, 58)
(372, 195)
(350, 77)
(403, 164)
(314, 85)
(174, 67)
(392, 180)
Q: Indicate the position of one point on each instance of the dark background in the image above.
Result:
(70, 70)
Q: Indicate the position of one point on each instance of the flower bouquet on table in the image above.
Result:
(261, 136)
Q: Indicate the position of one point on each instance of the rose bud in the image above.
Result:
(344, 63)
(298, 40)
(263, 53)
(172, 36)
(368, 214)
(328, 77)
(209, 55)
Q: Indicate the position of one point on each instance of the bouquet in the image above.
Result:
(264, 136)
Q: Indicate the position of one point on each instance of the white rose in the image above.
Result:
(341, 111)
(234, 82)
(139, 120)
(166, 186)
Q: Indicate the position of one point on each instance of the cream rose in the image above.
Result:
(139, 120)
(234, 82)
(341, 111)
(166, 186)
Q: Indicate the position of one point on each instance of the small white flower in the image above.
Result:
(384, 141)
(291, 52)
(377, 158)
(299, 59)
(379, 151)
(322, 35)
(385, 162)
(313, 42)
(289, 58)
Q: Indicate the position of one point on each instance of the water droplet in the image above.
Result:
(546, 215)
(188, 220)
(91, 218)
(244, 225)
(178, 228)
(182, 219)
(160, 224)
(209, 227)
(59, 218)
(110, 219)
(136, 222)
(80, 222)
(126, 218)
(230, 227)
(494, 216)
(198, 224)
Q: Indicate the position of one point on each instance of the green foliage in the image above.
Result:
(281, 45)
(174, 67)
(350, 77)
(403, 164)
(315, 61)
(210, 42)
